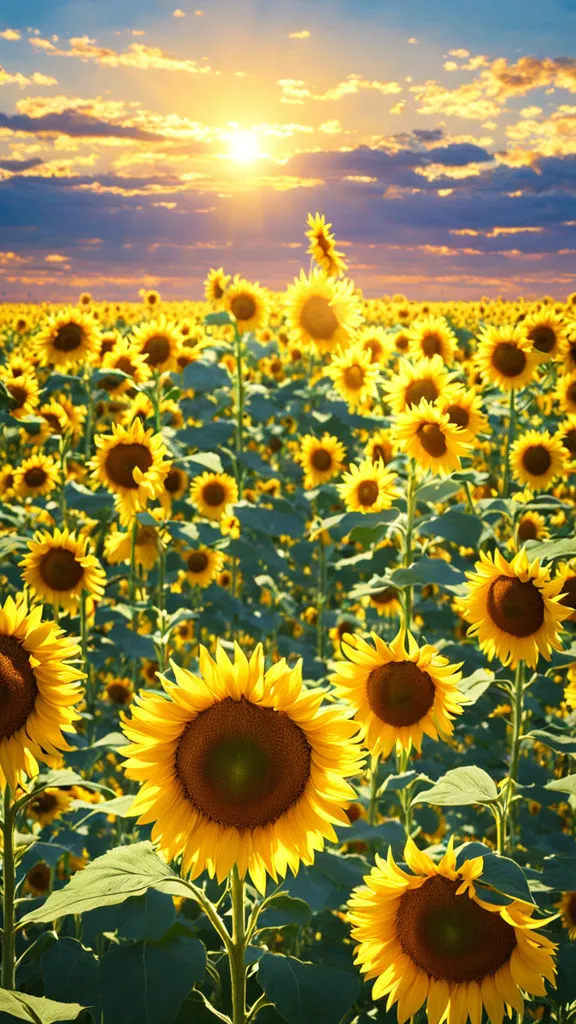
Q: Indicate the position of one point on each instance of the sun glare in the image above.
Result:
(244, 146)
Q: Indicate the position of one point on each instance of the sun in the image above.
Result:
(244, 146)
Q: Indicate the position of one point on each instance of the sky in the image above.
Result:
(143, 143)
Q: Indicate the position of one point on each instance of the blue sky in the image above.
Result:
(143, 142)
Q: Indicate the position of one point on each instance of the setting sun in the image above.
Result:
(244, 146)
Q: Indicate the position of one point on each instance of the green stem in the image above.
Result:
(156, 404)
(237, 950)
(9, 881)
(500, 828)
(160, 603)
(410, 506)
(321, 599)
(373, 805)
(240, 396)
(90, 694)
(517, 716)
(509, 439)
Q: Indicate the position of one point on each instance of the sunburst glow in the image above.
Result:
(244, 146)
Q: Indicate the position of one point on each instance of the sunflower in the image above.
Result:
(60, 567)
(248, 302)
(536, 458)
(151, 298)
(546, 333)
(354, 375)
(368, 487)
(48, 805)
(426, 434)
(566, 392)
(240, 766)
(567, 572)
(387, 602)
(514, 608)
(159, 341)
(129, 462)
(38, 881)
(381, 447)
(175, 487)
(7, 476)
(215, 285)
(426, 935)
(36, 476)
(63, 416)
(213, 493)
(147, 546)
(24, 393)
(570, 691)
(203, 565)
(506, 357)
(432, 336)
(127, 357)
(40, 688)
(398, 696)
(567, 907)
(464, 408)
(400, 342)
(427, 378)
(375, 341)
(320, 458)
(531, 526)
(67, 339)
(567, 435)
(118, 690)
(322, 312)
(322, 246)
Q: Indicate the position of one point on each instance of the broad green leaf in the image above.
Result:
(21, 1006)
(306, 993)
(552, 549)
(458, 527)
(501, 873)
(70, 971)
(146, 982)
(284, 909)
(561, 742)
(565, 785)
(219, 319)
(467, 785)
(474, 685)
(149, 916)
(204, 376)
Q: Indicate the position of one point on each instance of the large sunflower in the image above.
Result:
(506, 357)
(213, 493)
(320, 458)
(464, 408)
(368, 487)
(159, 341)
(68, 338)
(248, 302)
(24, 393)
(427, 435)
(322, 311)
(130, 462)
(432, 336)
(546, 333)
(427, 378)
(36, 476)
(127, 357)
(354, 375)
(322, 246)
(39, 685)
(398, 696)
(60, 566)
(427, 936)
(240, 766)
(536, 458)
(514, 608)
(566, 392)
(567, 434)
(375, 341)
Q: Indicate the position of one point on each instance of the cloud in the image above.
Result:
(503, 79)
(178, 13)
(70, 122)
(295, 90)
(14, 166)
(11, 34)
(468, 101)
(304, 34)
(17, 78)
(136, 55)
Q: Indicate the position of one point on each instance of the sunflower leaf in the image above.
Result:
(21, 1006)
(461, 786)
(306, 993)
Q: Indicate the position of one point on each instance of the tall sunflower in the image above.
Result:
(39, 683)
(130, 463)
(215, 285)
(213, 493)
(398, 696)
(248, 302)
(60, 567)
(322, 312)
(368, 487)
(537, 458)
(354, 375)
(322, 246)
(514, 608)
(240, 766)
(426, 434)
(505, 356)
(203, 565)
(159, 341)
(432, 336)
(37, 476)
(321, 459)
(67, 339)
(426, 378)
(426, 935)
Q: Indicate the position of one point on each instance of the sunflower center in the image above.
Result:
(544, 338)
(123, 459)
(569, 591)
(68, 338)
(385, 596)
(44, 803)
(569, 440)
(431, 344)
(19, 395)
(323, 243)
(18, 687)
(420, 389)
(536, 460)
(118, 693)
(571, 393)
(243, 765)
(35, 477)
(458, 416)
(214, 494)
(515, 607)
(39, 877)
(432, 440)
(52, 421)
(243, 307)
(508, 359)
(60, 570)
(452, 937)
(367, 492)
(374, 348)
(401, 342)
(197, 561)
(172, 481)
(399, 693)
(156, 350)
(321, 460)
(527, 530)
(217, 290)
(318, 318)
(125, 365)
(353, 377)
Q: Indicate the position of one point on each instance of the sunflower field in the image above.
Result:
(288, 657)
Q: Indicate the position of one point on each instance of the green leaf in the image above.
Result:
(394, 783)
(429, 570)
(473, 686)
(91, 502)
(565, 785)
(207, 460)
(21, 1006)
(70, 971)
(269, 521)
(306, 993)
(146, 983)
(458, 527)
(149, 916)
(284, 909)
(500, 873)
(219, 319)
(461, 786)
(437, 490)
(111, 879)
(204, 376)
(552, 549)
(561, 742)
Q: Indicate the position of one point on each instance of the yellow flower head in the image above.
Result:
(368, 487)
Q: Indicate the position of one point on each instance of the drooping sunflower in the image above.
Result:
(567, 908)
(531, 526)
(127, 357)
(49, 805)
(322, 311)
(203, 565)
(566, 392)
(427, 936)
(427, 378)
(432, 336)
(464, 408)
(39, 683)
(240, 766)
(536, 458)
(67, 339)
(398, 696)
(426, 434)
(546, 332)
(514, 608)
(24, 392)
(354, 375)
(505, 356)
(368, 487)
(159, 341)
(320, 458)
(248, 302)
(36, 476)
(7, 476)
(213, 493)
(387, 602)
(130, 462)
(215, 285)
(322, 246)
(60, 566)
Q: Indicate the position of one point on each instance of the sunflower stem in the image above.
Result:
(509, 439)
(238, 949)
(321, 599)
(517, 717)
(239, 381)
(373, 805)
(410, 505)
(156, 403)
(9, 880)
(90, 694)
